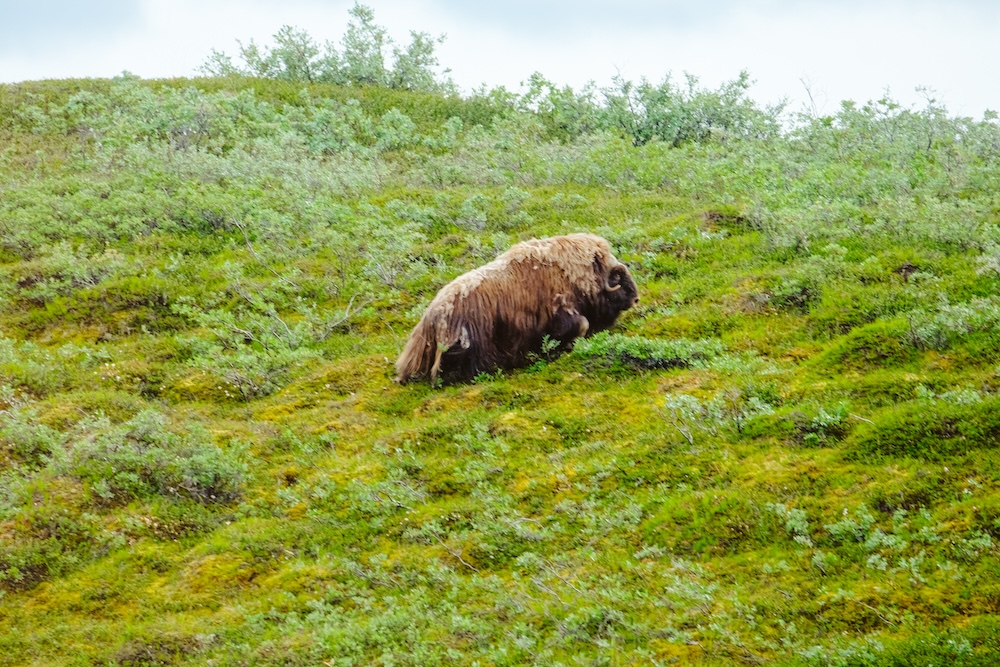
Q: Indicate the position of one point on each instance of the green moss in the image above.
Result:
(160, 649)
(930, 429)
(974, 645)
(869, 347)
(708, 525)
(806, 426)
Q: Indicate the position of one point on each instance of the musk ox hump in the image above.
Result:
(497, 315)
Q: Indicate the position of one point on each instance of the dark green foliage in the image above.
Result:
(820, 427)
(141, 458)
(879, 344)
(974, 646)
(160, 650)
(645, 353)
(27, 442)
(930, 429)
(677, 115)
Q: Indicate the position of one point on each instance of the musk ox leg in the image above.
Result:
(438, 353)
(567, 324)
(577, 327)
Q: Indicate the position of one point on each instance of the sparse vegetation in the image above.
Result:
(786, 454)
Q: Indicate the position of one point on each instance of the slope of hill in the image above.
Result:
(786, 455)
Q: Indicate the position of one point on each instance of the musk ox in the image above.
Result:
(498, 315)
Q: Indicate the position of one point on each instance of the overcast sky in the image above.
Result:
(848, 49)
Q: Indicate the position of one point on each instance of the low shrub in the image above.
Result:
(821, 427)
(940, 328)
(646, 353)
(141, 458)
(975, 645)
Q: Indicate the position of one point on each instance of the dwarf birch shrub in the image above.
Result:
(796, 522)
(676, 115)
(965, 396)
(254, 348)
(687, 414)
(395, 131)
(26, 441)
(941, 327)
(852, 528)
(61, 268)
(42, 371)
(732, 407)
(142, 457)
(826, 426)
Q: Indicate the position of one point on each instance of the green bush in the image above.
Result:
(42, 370)
(25, 440)
(646, 353)
(296, 57)
(947, 324)
(141, 458)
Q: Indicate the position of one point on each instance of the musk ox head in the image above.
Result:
(498, 315)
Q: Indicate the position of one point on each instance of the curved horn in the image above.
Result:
(607, 282)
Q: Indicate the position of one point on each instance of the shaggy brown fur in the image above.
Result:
(496, 316)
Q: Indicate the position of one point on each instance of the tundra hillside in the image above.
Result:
(786, 453)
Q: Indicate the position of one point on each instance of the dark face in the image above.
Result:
(622, 292)
(619, 294)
